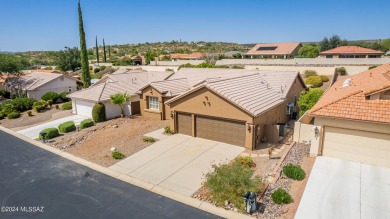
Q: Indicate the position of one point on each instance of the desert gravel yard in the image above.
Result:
(94, 143)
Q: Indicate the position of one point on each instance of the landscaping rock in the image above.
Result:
(113, 149)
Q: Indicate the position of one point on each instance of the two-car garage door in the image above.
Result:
(361, 146)
(216, 129)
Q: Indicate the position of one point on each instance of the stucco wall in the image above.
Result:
(151, 113)
(56, 85)
(205, 102)
(351, 70)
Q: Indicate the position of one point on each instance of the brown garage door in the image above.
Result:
(227, 131)
(184, 124)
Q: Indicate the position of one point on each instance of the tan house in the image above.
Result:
(241, 109)
(352, 119)
(351, 52)
(121, 82)
(273, 51)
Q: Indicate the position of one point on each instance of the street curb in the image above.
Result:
(196, 203)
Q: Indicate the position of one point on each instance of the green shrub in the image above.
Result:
(5, 94)
(51, 133)
(309, 73)
(294, 172)
(230, 182)
(50, 102)
(22, 104)
(2, 115)
(96, 70)
(102, 67)
(7, 108)
(168, 130)
(246, 161)
(57, 106)
(369, 68)
(308, 99)
(53, 96)
(99, 113)
(117, 155)
(280, 196)
(315, 81)
(324, 78)
(63, 97)
(149, 139)
(67, 127)
(29, 113)
(40, 105)
(86, 123)
(67, 106)
(13, 115)
(341, 71)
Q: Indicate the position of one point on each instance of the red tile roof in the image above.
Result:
(350, 50)
(351, 102)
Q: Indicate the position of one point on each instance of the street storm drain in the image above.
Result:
(86, 174)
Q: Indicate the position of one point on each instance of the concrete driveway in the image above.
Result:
(177, 163)
(33, 132)
(345, 189)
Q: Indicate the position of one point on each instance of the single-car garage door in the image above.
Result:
(84, 108)
(356, 145)
(184, 123)
(216, 129)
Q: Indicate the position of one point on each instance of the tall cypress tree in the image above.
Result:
(97, 51)
(109, 51)
(85, 76)
(104, 52)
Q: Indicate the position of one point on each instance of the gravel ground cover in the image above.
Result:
(94, 143)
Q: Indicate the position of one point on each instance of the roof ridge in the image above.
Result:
(240, 76)
(167, 80)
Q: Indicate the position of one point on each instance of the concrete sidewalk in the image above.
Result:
(177, 163)
(345, 189)
(33, 132)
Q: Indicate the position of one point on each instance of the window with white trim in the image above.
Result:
(153, 103)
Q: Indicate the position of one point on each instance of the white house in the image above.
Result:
(127, 82)
(36, 84)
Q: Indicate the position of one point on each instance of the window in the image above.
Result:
(267, 48)
(153, 103)
(69, 89)
(329, 56)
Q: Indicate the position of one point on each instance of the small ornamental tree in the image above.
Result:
(308, 99)
(99, 113)
(120, 99)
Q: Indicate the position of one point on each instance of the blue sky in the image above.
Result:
(28, 25)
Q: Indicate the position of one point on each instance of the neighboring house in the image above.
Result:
(273, 51)
(351, 52)
(192, 56)
(36, 84)
(138, 60)
(353, 118)
(154, 95)
(128, 82)
(3, 78)
(388, 53)
(234, 106)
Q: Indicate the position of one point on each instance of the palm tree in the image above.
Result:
(120, 99)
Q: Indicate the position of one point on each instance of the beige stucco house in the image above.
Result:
(36, 84)
(128, 82)
(240, 107)
(352, 119)
(345, 52)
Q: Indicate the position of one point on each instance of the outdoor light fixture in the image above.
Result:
(316, 132)
(172, 114)
(249, 128)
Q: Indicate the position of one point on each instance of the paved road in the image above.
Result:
(177, 163)
(33, 132)
(32, 177)
(345, 189)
